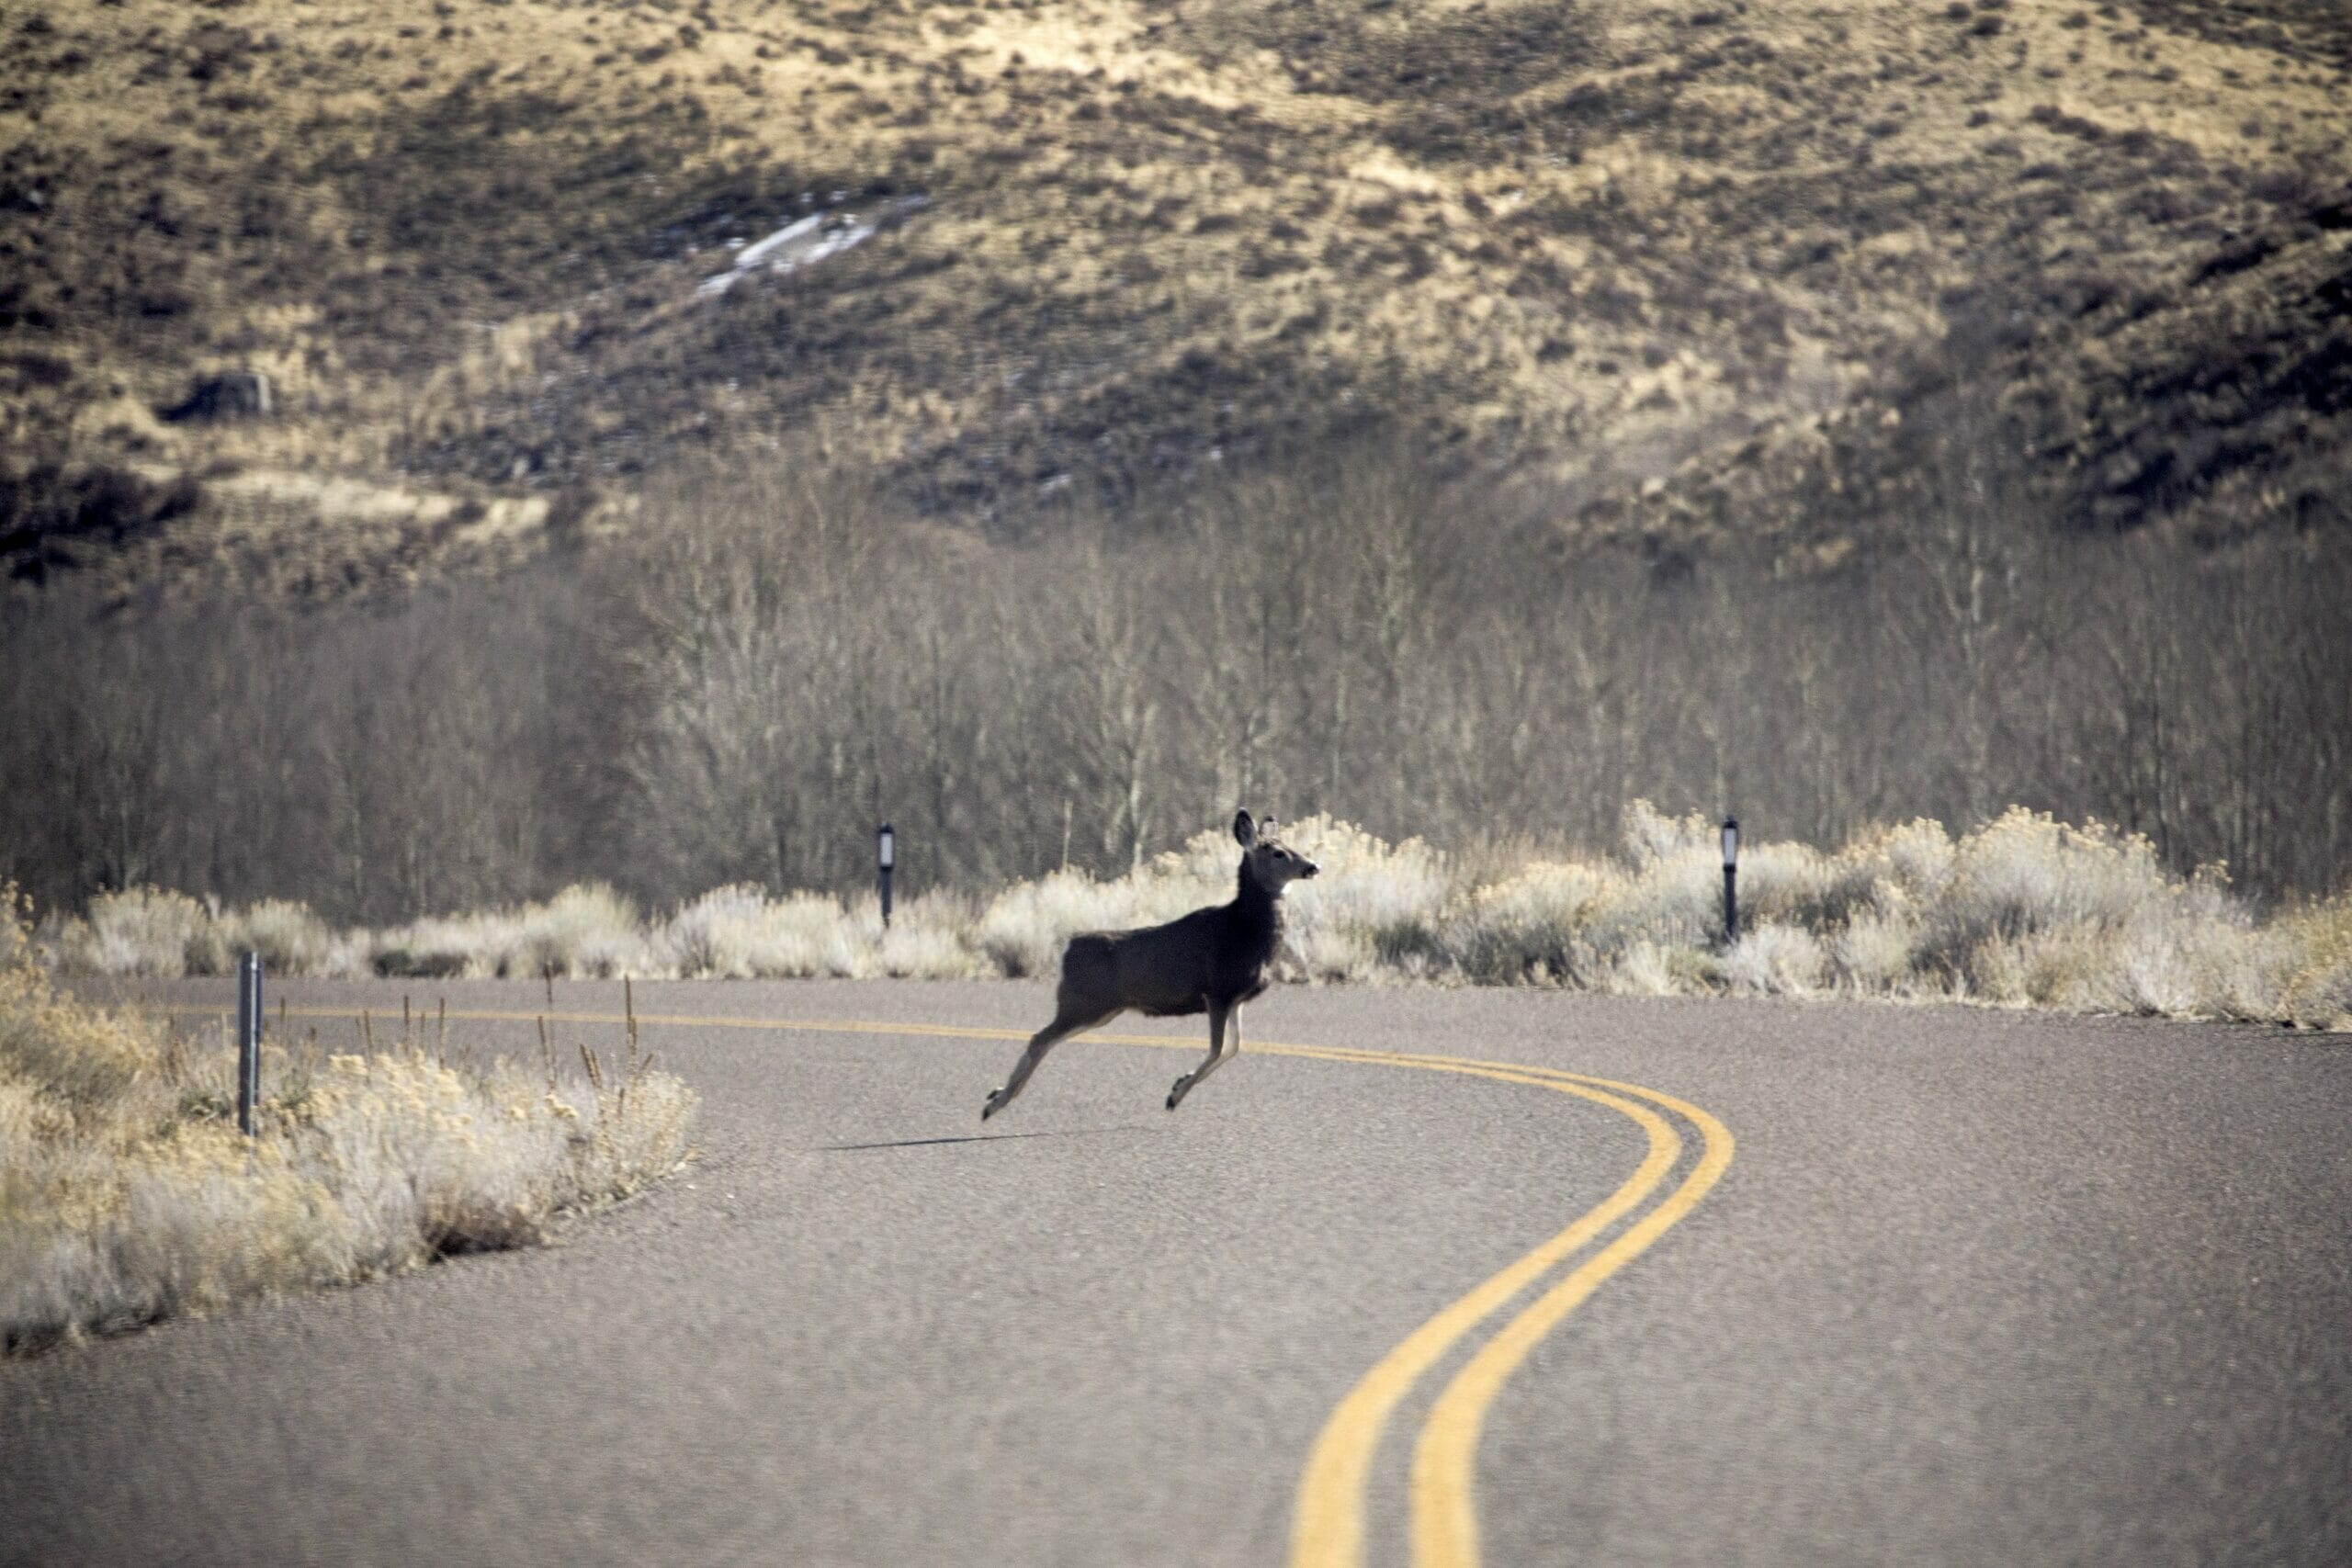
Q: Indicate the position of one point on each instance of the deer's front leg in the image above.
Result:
(1219, 1013)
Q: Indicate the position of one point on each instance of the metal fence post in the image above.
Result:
(1731, 880)
(248, 1040)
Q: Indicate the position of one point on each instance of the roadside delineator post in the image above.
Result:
(1731, 880)
(886, 860)
(249, 1019)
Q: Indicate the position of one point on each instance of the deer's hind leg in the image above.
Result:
(1220, 1014)
(1067, 1023)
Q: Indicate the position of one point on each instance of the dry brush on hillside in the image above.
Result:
(1604, 241)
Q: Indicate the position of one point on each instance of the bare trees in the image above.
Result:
(374, 762)
(772, 662)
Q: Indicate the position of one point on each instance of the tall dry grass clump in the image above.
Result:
(2318, 939)
(584, 932)
(742, 933)
(140, 932)
(127, 1194)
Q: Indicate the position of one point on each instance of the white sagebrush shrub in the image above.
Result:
(1642, 969)
(1782, 882)
(2198, 956)
(290, 938)
(152, 1233)
(1774, 960)
(1873, 952)
(1676, 900)
(380, 1163)
(588, 930)
(742, 933)
(428, 1163)
(2051, 966)
(208, 1222)
(1502, 934)
(1909, 862)
(466, 946)
(2149, 972)
(1326, 952)
(585, 931)
(143, 933)
(2025, 871)
(2244, 976)
(2319, 988)
(1674, 893)
(915, 950)
(1371, 904)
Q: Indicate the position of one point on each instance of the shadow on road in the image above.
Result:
(988, 1138)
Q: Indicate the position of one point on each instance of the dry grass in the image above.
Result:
(126, 1195)
(2025, 911)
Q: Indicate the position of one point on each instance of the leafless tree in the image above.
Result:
(773, 661)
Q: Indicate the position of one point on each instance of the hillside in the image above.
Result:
(1685, 268)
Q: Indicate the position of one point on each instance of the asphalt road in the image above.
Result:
(1974, 1288)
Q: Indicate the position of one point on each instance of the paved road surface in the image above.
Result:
(1974, 1287)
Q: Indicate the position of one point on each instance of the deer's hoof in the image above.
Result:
(1175, 1095)
(988, 1107)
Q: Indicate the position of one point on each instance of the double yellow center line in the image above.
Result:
(1329, 1527)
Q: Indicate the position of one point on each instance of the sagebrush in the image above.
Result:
(2024, 910)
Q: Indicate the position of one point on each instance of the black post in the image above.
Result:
(248, 1040)
(1731, 880)
(886, 856)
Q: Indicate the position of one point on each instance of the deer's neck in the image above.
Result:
(1257, 912)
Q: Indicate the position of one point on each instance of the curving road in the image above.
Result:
(1606, 1281)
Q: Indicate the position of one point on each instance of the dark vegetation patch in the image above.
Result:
(2237, 390)
(2217, 401)
(481, 204)
(2318, 31)
(127, 239)
(1137, 438)
(53, 516)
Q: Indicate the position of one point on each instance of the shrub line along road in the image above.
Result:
(1981, 1288)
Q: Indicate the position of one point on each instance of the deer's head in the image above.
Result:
(1274, 864)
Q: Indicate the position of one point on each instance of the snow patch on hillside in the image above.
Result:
(803, 243)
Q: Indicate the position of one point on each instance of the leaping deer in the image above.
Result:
(1211, 961)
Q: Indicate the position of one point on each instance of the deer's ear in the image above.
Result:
(1244, 831)
(1265, 828)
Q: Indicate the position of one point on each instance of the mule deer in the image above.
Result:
(1211, 961)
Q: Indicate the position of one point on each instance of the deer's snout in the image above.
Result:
(1308, 867)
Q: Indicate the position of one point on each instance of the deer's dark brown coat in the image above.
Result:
(1210, 961)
